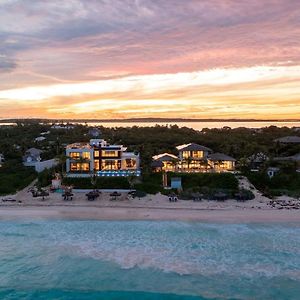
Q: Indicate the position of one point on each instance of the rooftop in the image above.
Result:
(165, 157)
(220, 156)
(293, 139)
(79, 146)
(193, 147)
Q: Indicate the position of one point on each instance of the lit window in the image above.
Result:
(97, 165)
(86, 155)
(110, 153)
(74, 155)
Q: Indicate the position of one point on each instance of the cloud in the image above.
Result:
(112, 42)
(6, 64)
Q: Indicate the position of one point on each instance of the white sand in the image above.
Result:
(152, 207)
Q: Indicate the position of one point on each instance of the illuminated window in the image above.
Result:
(96, 153)
(97, 165)
(130, 163)
(86, 155)
(197, 154)
(80, 167)
(110, 153)
(111, 165)
(185, 154)
(74, 155)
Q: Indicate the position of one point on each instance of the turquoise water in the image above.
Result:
(148, 260)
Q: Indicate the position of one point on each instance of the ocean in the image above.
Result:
(194, 125)
(148, 260)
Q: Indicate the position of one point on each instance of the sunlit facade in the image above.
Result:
(100, 158)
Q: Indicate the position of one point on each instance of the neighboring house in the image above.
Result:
(32, 158)
(62, 126)
(193, 158)
(294, 158)
(39, 139)
(288, 140)
(100, 158)
(32, 155)
(45, 133)
(95, 132)
(1, 159)
(257, 160)
(271, 171)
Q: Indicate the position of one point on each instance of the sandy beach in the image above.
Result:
(151, 207)
(134, 213)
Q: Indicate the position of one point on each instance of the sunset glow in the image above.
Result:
(122, 59)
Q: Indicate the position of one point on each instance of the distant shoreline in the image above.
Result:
(142, 120)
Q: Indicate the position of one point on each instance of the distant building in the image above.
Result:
(39, 139)
(1, 159)
(62, 126)
(32, 158)
(45, 133)
(102, 159)
(288, 140)
(257, 160)
(95, 132)
(32, 155)
(272, 171)
(193, 158)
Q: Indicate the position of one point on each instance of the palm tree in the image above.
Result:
(94, 178)
(62, 158)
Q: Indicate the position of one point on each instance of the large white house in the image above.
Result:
(102, 159)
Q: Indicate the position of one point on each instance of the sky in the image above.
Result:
(114, 59)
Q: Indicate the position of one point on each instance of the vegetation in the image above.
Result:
(14, 176)
(285, 182)
(239, 143)
(101, 183)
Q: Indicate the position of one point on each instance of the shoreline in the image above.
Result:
(119, 213)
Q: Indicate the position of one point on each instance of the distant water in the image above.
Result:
(194, 125)
(148, 260)
(200, 125)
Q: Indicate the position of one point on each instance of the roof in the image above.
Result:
(165, 157)
(94, 132)
(273, 169)
(220, 156)
(34, 151)
(193, 147)
(295, 157)
(258, 157)
(157, 164)
(79, 146)
(293, 139)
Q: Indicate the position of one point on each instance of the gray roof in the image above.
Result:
(95, 132)
(157, 164)
(220, 156)
(193, 147)
(289, 139)
(34, 151)
(295, 157)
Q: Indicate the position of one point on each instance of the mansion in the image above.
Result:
(100, 158)
(193, 158)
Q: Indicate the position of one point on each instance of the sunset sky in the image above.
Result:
(150, 58)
